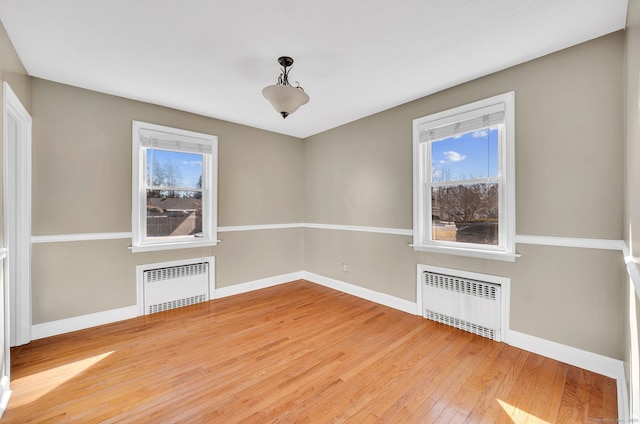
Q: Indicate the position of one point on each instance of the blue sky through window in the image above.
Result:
(470, 155)
(187, 166)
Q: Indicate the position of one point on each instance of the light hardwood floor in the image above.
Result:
(295, 353)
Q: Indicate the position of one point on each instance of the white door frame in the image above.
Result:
(17, 218)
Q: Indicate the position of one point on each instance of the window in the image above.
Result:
(464, 180)
(174, 188)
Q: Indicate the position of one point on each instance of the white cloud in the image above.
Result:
(192, 162)
(481, 133)
(452, 156)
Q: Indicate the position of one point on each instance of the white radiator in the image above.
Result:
(463, 303)
(169, 287)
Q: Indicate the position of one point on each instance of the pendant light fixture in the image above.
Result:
(284, 97)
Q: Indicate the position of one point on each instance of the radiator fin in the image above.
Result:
(179, 303)
(461, 285)
(470, 327)
(182, 271)
(171, 287)
(464, 303)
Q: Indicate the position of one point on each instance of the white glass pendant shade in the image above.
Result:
(285, 98)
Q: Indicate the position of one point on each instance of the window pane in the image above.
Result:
(465, 213)
(470, 155)
(174, 213)
(166, 168)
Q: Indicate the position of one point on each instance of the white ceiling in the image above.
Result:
(353, 57)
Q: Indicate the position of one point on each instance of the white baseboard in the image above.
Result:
(67, 325)
(6, 393)
(373, 296)
(257, 284)
(593, 362)
(600, 364)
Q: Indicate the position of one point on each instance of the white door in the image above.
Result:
(17, 216)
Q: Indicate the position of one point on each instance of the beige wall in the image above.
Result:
(82, 163)
(632, 201)
(569, 161)
(82, 184)
(78, 278)
(13, 71)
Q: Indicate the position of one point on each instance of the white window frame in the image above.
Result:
(422, 169)
(167, 136)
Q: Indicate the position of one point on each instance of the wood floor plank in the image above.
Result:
(550, 406)
(610, 400)
(362, 382)
(299, 353)
(569, 397)
(445, 405)
(480, 382)
(582, 396)
(596, 397)
(503, 366)
(508, 391)
(536, 390)
(382, 398)
(412, 391)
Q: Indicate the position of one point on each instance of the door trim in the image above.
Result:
(21, 251)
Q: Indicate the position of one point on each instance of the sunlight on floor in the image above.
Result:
(34, 386)
(520, 416)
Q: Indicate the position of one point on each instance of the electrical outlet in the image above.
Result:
(344, 267)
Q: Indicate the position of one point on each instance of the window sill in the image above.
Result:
(472, 253)
(172, 246)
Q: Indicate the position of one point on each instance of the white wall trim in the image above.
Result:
(580, 358)
(586, 243)
(600, 364)
(67, 325)
(361, 292)
(471, 253)
(379, 230)
(234, 228)
(257, 284)
(634, 277)
(106, 317)
(632, 268)
(17, 205)
(59, 238)
(593, 362)
(3, 252)
(5, 391)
